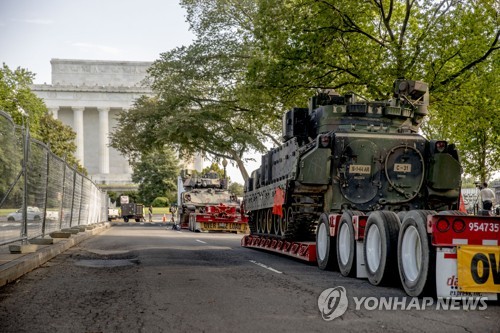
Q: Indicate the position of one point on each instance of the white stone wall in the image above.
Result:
(93, 87)
(98, 72)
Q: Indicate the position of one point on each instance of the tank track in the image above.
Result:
(302, 225)
(252, 223)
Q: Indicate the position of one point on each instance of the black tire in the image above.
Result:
(416, 255)
(326, 249)
(252, 222)
(125, 219)
(401, 216)
(282, 222)
(36, 218)
(137, 220)
(11, 219)
(269, 221)
(346, 245)
(381, 234)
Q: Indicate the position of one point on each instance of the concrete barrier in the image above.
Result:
(13, 266)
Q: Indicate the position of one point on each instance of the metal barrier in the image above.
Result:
(39, 192)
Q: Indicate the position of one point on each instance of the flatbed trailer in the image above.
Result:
(218, 218)
(450, 253)
(305, 251)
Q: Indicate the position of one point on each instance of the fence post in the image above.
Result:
(46, 191)
(81, 201)
(72, 199)
(24, 228)
(62, 197)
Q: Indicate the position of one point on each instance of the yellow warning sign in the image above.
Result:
(478, 268)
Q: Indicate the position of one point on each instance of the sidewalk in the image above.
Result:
(15, 265)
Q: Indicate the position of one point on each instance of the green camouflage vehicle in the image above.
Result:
(355, 187)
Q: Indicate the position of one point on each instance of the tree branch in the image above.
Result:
(473, 63)
(351, 23)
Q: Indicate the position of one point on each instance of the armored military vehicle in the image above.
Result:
(355, 187)
(206, 205)
(345, 154)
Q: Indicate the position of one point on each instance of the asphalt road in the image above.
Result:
(140, 277)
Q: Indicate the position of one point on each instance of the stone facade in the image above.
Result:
(88, 95)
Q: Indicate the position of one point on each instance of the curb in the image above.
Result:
(16, 268)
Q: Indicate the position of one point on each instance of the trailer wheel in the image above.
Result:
(325, 245)
(346, 245)
(258, 222)
(269, 221)
(276, 224)
(416, 255)
(125, 219)
(401, 216)
(380, 246)
(190, 224)
(282, 222)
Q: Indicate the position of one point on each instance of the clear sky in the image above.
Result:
(34, 31)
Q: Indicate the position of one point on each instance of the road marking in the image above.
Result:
(266, 267)
(201, 241)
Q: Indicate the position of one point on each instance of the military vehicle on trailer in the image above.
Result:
(354, 186)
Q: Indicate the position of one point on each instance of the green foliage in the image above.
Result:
(61, 139)
(214, 167)
(113, 196)
(470, 116)
(133, 196)
(11, 155)
(236, 189)
(16, 95)
(363, 46)
(156, 173)
(225, 94)
(200, 102)
(160, 202)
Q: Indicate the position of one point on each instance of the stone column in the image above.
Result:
(103, 140)
(129, 170)
(55, 112)
(198, 162)
(78, 126)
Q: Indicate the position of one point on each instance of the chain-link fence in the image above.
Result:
(39, 192)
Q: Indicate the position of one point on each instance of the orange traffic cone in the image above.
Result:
(462, 205)
(164, 219)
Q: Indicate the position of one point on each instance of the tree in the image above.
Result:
(224, 94)
(364, 46)
(156, 173)
(199, 104)
(214, 167)
(16, 97)
(236, 189)
(61, 140)
(343, 44)
(475, 127)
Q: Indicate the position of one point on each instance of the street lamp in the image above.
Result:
(224, 164)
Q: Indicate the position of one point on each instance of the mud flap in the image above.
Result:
(360, 261)
(447, 276)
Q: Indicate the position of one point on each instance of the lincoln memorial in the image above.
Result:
(88, 95)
